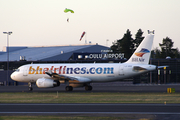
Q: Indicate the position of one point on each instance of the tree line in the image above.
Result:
(128, 45)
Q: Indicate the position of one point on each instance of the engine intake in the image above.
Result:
(47, 83)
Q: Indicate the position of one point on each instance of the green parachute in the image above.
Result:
(68, 10)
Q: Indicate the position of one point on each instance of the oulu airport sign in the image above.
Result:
(106, 56)
(109, 55)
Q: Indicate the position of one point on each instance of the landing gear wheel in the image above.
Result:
(30, 88)
(69, 88)
(88, 88)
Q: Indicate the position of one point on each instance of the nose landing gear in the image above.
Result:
(30, 86)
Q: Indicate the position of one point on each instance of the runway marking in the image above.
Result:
(157, 113)
(90, 104)
(170, 108)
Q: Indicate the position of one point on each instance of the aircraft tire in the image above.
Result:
(69, 88)
(88, 88)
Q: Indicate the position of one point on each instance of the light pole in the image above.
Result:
(7, 49)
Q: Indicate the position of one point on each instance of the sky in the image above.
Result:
(44, 23)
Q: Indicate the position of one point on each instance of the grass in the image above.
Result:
(36, 97)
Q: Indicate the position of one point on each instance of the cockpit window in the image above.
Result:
(17, 70)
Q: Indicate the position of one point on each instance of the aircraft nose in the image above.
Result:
(13, 76)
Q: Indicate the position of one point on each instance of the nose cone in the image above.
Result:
(13, 76)
(17, 76)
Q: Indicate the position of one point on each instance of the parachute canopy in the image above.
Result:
(68, 10)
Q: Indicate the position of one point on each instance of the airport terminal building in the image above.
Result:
(88, 53)
(49, 53)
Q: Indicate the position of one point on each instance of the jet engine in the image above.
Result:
(47, 83)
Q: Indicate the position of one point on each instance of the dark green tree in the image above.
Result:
(177, 53)
(166, 48)
(138, 39)
(124, 45)
(156, 53)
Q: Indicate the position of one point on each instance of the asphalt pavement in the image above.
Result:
(155, 111)
(99, 87)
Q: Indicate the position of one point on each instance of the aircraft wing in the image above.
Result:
(70, 78)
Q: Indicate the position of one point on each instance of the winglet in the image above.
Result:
(149, 32)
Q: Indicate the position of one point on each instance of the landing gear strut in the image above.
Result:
(30, 86)
(68, 88)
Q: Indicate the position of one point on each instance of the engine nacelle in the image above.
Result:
(47, 83)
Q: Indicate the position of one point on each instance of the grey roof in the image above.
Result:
(48, 53)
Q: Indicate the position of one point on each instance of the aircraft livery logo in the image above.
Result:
(142, 52)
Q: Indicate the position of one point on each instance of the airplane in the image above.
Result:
(83, 74)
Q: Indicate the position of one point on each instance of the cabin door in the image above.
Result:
(121, 70)
(25, 71)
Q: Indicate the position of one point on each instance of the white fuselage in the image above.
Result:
(96, 72)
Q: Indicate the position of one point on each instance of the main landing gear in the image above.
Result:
(69, 88)
(87, 88)
(30, 86)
